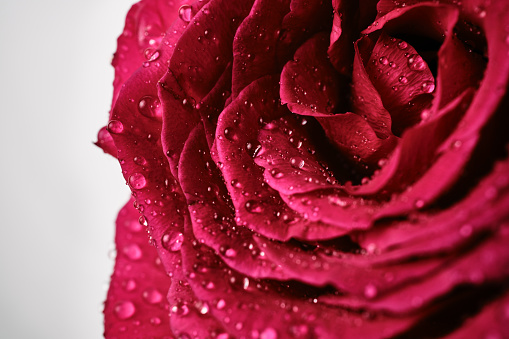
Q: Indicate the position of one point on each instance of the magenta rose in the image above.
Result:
(312, 169)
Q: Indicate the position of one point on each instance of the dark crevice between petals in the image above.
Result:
(492, 147)
(463, 303)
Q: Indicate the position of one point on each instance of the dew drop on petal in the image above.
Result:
(402, 45)
(152, 296)
(297, 162)
(140, 161)
(129, 285)
(220, 304)
(137, 181)
(133, 251)
(115, 127)
(276, 173)
(268, 333)
(253, 206)
(428, 86)
(370, 291)
(403, 79)
(185, 13)
(172, 241)
(150, 107)
(124, 310)
(253, 148)
(151, 54)
(155, 321)
(230, 253)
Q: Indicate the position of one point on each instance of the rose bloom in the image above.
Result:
(311, 169)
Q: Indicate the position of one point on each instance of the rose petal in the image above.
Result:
(401, 77)
(186, 311)
(205, 48)
(491, 322)
(485, 263)
(105, 142)
(136, 302)
(236, 141)
(271, 310)
(139, 42)
(256, 41)
(309, 83)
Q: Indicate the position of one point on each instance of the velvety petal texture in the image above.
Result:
(311, 169)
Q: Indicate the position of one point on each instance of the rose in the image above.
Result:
(311, 170)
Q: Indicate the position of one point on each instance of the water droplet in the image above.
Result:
(150, 107)
(268, 333)
(129, 285)
(416, 63)
(133, 251)
(230, 253)
(180, 309)
(466, 230)
(299, 331)
(137, 181)
(402, 45)
(220, 304)
(140, 161)
(172, 241)
(253, 148)
(245, 283)
(151, 54)
(276, 173)
(230, 134)
(124, 310)
(115, 127)
(155, 321)
(152, 296)
(253, 206)
(419, 203)
(370, 291)
(428, 86)
(383, 60)
(297, 162)
(403, 79)
(185, 13)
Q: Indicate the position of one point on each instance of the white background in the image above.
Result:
(59, 194)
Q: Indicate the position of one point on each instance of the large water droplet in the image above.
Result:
(402, 45)
(140, 161)
(155, 321)
(150, 107)
(133, 251)
(129, 285)
(185, 13)
(172, 241)
(137, 181)
(428, 86)
(151, 54)
(268, 333)
(276, 173)
(230, 134)
(297, 162)
(115, 127)
(370, 291)
(416, 63)
(152, 296)
(403, 79)
(253, 206)
(220, 304)
(124, 310)
(253, 148)
(230, 253)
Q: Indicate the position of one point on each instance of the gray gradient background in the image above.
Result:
(59, 194)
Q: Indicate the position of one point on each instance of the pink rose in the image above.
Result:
(308, 169)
